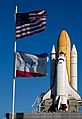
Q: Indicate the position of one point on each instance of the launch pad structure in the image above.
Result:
(44, 107)
(56, 115)
(74, 108)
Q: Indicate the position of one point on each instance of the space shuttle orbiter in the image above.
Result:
(63, 73)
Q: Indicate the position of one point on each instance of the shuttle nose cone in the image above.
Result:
(64, 46)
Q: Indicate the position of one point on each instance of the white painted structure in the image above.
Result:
(61, 84)
(74, 67)
(52, 66)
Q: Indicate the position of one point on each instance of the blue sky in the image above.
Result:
(65, 14)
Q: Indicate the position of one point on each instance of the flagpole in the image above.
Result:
(14, 74)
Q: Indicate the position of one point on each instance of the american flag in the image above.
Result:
(30, 23)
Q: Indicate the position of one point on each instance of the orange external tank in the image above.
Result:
(63, 45)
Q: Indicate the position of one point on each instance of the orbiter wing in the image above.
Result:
(70, 92)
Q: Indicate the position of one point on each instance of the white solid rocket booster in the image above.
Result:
(74, 67)
(52, 67)
(52, 74)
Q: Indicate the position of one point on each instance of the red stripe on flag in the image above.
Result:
(37, 13)
(30, 25)
(22, 36)
(33, 29)
(27, 74)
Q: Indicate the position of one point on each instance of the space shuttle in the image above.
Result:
(63, 74)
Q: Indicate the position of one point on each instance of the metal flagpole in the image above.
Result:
(14, 75)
